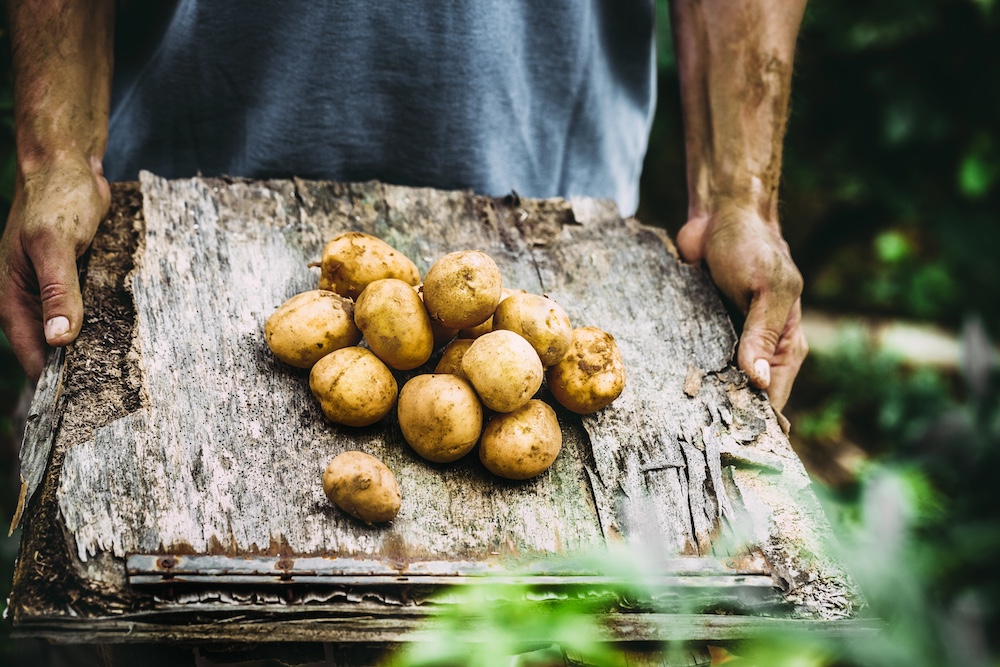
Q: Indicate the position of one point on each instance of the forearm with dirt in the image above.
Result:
(62, 60)
(735, 65)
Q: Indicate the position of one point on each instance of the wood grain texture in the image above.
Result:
(368, 625)
(190, 438)
(230, 452)
(39, 432)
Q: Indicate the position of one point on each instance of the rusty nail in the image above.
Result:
(284, 564)
(166, 563)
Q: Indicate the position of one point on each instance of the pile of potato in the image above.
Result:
(500, 345)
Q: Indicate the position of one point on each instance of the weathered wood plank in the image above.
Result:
(665, 317)
(179, 433)
(372, 627)
(229, 454)
(39, 432)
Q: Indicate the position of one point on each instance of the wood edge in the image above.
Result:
(660, 233)
(16, 521)
(422, 626)
(36, 446)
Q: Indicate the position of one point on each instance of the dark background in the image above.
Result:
(891, 205)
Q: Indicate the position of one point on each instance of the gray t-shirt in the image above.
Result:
(545, 97)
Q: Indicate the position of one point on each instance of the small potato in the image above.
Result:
(440, 416)
(591, 375)
(504, 369)
(353, 387)
(462, 289)
(310, 326)
(451, 358)
(487, 326)
(395, 324)
(477, 331)
(541, 321)
(362, 486)
(352, 260)
(523, 443)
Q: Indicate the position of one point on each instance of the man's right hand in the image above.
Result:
(55, 213)
(750, 263)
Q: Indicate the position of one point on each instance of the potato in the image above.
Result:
(462, 289)
(310, 326)
(440, 416)
(395, 323)
(591, 375)
(487, 326)
(541, 321)
(523, 443)
(362, 486)
(352, 260)
(451, 359)
(353, 386)
(442, 334)
(504, 369)
(477, 331)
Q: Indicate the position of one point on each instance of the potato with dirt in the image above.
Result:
(462, 289)
(395, 324)
(540, 320)
(592, 373)
(442, 334)
(451, 358)
(362, 486)
(310, 326)
(504, 370)
(523, 443)
(487, 326)
(353, 260)
(353, 387)
(440, 416)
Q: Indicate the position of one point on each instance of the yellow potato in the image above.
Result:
(487, 326)
(440, 416)
(451, 358)
(352, 260)
(591, 375)
(504, 369)
(476, 331)
(442, 334)
(541, 321)
(353, 387)
(310, 326)
(462, 289)
(523, 443)
(395, 324)
(362, 486)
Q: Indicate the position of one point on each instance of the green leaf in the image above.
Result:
(892, 246)
(975, 177)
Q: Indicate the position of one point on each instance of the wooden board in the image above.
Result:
(169, 429)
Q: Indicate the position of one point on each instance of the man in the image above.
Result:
(545, 98)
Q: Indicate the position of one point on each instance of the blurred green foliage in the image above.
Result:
(868, 396)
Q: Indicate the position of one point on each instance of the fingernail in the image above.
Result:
(763, 370)
(56, 327)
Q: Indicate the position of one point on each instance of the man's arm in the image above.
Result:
(735, 64)
(62, 59)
